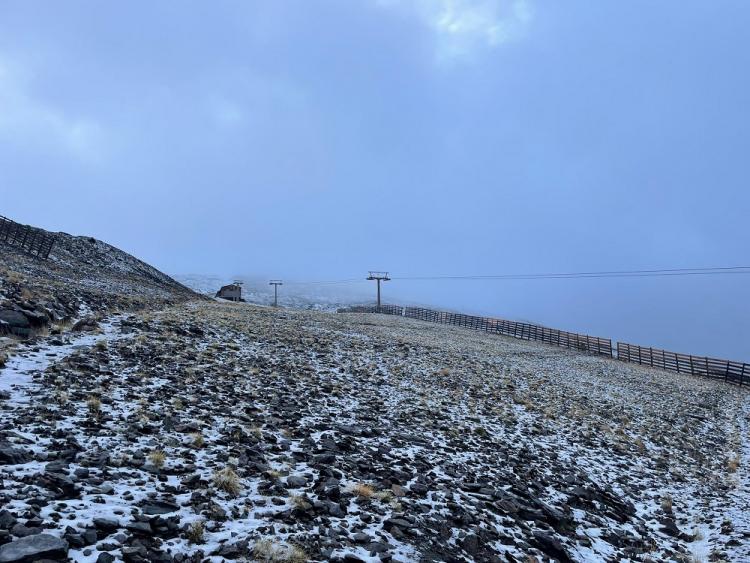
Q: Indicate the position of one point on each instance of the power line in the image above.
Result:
(665, 272)
(579, 275)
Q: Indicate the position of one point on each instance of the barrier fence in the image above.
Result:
(734, 372)
(36, 242)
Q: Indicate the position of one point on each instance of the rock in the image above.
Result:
(22, 531)
(12, 456)
(34, 548)
(470, 544)
(7, 520)
(87, 324)
(16, 322)
(552, 546)
(295, 482)
(106, 524)
(159, 507)
(105, 558)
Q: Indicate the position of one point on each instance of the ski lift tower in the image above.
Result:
(379, 277)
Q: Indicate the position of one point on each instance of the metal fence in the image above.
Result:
(36, 242)
(733, 372)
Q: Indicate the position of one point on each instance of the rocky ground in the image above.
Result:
(215, 432)
(83, 277)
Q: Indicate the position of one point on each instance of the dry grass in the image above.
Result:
(363, 490)
(195, 532)
(270, 551)
(198, 440)
(384, 496)
(94, 405)
(733, 464)
(157, 458)
(228, 481)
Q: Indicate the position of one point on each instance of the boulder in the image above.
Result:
(15, 322)
(34, 548)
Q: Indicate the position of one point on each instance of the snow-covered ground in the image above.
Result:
(233, 432)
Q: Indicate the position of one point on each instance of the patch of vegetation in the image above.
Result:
(228, 481)
(157, 458)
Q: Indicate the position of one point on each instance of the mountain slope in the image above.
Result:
(81, 275)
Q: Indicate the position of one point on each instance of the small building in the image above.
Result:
(231, 292)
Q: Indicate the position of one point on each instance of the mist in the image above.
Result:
(315, 141)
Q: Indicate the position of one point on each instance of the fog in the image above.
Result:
(315, 141)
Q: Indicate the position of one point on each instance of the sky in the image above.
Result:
(320, 139)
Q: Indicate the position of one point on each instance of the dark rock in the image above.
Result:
(551, 546)
(107, 525)
(159, 507)
(34, 548)
(12, 456)
(7, 520)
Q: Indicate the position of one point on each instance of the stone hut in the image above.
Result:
(231, 292)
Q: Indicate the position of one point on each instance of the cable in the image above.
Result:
(668, 272)
(579, 275)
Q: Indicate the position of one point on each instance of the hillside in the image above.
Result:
(82, 276)
(208, 431)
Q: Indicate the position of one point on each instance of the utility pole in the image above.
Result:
(378, 277)
(275, 284)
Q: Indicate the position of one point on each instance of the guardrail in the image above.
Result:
(32, 240)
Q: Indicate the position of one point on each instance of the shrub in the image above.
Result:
(195, 532)
(198, 441)
(157, 458)
(94, 405)
(228, 481)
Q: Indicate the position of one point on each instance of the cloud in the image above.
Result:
(31, 123)
(462, 28)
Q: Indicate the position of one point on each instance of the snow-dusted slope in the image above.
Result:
(228, 431)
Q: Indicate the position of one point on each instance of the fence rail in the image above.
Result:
(525, 331)
(36, 242)
(734, 372)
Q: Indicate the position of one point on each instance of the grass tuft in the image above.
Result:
(157, 458)
(195, 532)
(363, 490)
(228, 481)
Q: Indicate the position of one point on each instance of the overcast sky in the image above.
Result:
(319, 139)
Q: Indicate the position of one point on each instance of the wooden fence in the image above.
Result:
(32, 240)
(736, 372)
(525, 331)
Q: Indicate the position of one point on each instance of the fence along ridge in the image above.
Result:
(730, 371)
(524, 331)
(33, 240)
